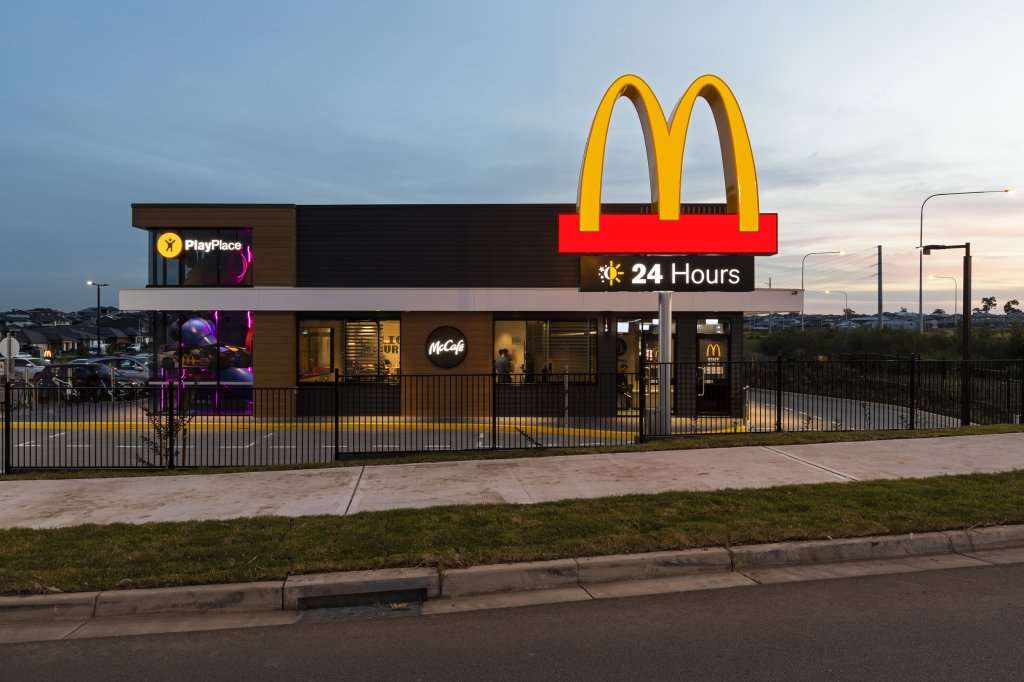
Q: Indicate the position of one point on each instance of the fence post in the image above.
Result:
(337, 406)
(965, 392)
(778, 394)
(641, 400)
(1020, 406)
(5, 464)
(494, 409)
(170, 398)
(913, 392)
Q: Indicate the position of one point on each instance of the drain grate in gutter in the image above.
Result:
(361, 612)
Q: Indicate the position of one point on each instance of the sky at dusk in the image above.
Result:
(856, 112)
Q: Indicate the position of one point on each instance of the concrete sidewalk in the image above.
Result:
(50, 504)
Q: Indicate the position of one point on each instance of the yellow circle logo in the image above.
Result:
(169, 245)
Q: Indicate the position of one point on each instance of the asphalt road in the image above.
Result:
(954, 624)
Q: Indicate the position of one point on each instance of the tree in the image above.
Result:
(1009, 308)
(849, 311)
(987, 304)
(938, 311)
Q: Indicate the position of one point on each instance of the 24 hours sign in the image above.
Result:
(675, 273)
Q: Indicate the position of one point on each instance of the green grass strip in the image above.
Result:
(100, 557)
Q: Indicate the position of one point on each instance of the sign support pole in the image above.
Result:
(663, 423)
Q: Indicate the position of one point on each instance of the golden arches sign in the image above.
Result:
(665, 139)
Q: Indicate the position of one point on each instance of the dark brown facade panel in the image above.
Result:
(274, 349)
(433, 397)
(211, 215)
(437, 246)
(465, 245)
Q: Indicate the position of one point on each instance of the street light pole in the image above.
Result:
(920, 245)
(965, 346)
(802, 261)
(99, 341)
(954, 292)
(845, 298)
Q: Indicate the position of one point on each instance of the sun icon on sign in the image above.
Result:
(611, 273)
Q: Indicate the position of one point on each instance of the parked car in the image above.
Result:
(25, 368)
(28, 368)
(77, 381)
(129, 368)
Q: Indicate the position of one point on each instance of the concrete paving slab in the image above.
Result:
(642, 473)
(52, 504)
(38, 631)
(504, 600)
(150, 625)
(853, 569)
(417, 486)
(679, 583)
(916, 458)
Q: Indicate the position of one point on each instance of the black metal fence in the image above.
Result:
(192, 425)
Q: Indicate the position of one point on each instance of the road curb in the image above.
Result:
(311, 590)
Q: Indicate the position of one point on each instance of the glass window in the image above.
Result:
(212, 265)
(356, 348)
(539, 348)
(316, 352)
(205, 345)
(712, 325)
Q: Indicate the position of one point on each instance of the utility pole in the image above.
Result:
(879, 287)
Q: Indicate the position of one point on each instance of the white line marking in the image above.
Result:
(57, 435)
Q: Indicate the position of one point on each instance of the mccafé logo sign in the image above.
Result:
(446, 347)
(171, 245)
(741, 230)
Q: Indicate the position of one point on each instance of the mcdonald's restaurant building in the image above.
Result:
(286, 296)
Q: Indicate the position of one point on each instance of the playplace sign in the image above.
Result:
(171, 245)
(742, 229)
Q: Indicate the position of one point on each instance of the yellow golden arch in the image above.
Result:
(666, 140)
(713, 350)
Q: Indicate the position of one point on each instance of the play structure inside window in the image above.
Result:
(209, 354)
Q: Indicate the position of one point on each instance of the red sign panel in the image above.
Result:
(647, 233)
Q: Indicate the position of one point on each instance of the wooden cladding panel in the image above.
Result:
(440, 398)
(273, 349)
(273, 232)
